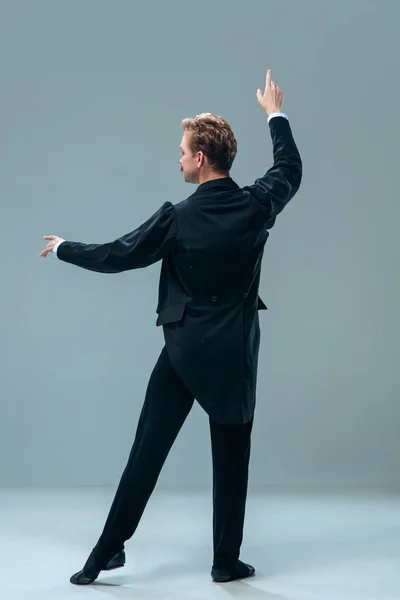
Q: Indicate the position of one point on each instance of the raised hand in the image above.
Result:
(272, 99)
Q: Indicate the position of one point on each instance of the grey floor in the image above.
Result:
(310, 545)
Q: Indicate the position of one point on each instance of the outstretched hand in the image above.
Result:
(272, 99)
(53, 240)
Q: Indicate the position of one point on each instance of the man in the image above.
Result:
(211, 246)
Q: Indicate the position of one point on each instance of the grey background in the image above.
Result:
(92, 97)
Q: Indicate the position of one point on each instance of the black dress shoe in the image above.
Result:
(90, 573)
(84, 577)
(241, 571)
(116, 562)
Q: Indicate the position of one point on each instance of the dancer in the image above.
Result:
(211, 247)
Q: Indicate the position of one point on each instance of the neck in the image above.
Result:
(203, 178)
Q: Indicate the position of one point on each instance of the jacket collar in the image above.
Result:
(226, 183)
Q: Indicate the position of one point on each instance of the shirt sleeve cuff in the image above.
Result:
(56, 247)
(277, 114)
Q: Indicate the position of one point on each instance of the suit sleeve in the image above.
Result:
(140, 248)
(282, 180)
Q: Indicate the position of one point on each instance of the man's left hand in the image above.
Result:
(53, 240)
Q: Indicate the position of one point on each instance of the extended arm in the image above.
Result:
(281, 182)
(140, 248)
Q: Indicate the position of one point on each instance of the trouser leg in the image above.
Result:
(166, 406)
(230, 456)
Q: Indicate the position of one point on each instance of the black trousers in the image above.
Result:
(166, 406)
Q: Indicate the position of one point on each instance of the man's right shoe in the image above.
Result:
(90, 573)
(241, 571)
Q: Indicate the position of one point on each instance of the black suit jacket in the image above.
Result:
(211, 247)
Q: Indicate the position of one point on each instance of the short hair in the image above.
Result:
(213, 136)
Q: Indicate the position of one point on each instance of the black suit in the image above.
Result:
(211, 246)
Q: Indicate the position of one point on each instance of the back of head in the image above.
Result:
(213, 136)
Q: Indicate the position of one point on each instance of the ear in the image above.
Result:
(200, 159)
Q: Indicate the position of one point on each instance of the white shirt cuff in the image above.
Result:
(56, 247)
(277, 114)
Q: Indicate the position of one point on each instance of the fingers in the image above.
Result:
(49, 246)
(268, 81)
(259, 95)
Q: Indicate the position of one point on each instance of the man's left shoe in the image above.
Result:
(241, 571)
(84, 577)
(90, 573)
(116, 562)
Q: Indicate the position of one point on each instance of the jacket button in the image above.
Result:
(214, 298)
(244, 295)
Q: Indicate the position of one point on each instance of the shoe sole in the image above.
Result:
(233, 578)
(115, 567)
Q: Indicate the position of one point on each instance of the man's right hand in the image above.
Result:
(272, 99)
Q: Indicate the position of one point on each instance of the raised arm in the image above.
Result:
(281, 182)
(140, 248)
